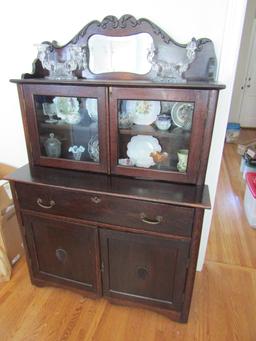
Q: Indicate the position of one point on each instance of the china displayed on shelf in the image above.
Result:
(92, 108)
(49, 109)
(139, 150)
(75, 58)
(76, 151)
(159, 157)
(52, 146)
(144, 112)
(166, 107)
(182, 115)
(125, 119)
(183, 160)
(125, 162)
(67, 109)
(163, 122)
(93, 148)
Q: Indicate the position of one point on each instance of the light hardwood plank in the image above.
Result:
(232, 240)
(222, 309)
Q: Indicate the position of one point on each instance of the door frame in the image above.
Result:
(247, 64)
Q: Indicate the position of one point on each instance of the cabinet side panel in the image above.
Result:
(22, 101)
(194, 248)
(209, 124)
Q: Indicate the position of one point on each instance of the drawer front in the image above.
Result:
(107, 209)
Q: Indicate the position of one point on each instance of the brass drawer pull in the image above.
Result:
(95, 199)
(40, 203)
(155, 221)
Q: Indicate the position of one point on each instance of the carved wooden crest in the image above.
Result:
(171, 61)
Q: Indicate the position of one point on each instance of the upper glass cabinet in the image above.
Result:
(69, 125)
(151, 133)
(156, 134)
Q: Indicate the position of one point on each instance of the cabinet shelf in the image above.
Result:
(152, 130)
(65, 126)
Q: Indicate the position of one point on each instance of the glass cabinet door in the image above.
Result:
(158, 133)
(70, 126)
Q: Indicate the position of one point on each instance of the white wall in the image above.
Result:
(243, 60)
(25, 23)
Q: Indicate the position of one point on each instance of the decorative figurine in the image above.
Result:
(77, 151)
(75, 58)
(172, 72)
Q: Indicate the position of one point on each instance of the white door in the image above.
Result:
(247, 116)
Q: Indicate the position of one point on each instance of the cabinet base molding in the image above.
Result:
(171, 314)
(39, 283)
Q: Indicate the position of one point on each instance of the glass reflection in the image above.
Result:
(68, 127)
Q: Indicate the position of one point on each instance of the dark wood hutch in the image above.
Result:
(112, 201)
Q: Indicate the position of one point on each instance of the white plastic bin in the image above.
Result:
(250, 199)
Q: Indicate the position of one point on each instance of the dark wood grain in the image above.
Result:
(107, 209)
(121, 82)
(193, 255)
(165, 249)
(144, 269)
(63, 252)
(116, 186)
(208, 131)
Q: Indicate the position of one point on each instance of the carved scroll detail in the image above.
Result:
(125, 21)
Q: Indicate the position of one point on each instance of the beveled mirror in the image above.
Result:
(120, 54)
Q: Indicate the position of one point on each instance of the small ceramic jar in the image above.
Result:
(182, 160)
(163, 122)
(52, 146)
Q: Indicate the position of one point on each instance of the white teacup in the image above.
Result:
(163, 122)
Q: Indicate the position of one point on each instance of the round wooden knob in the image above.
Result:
(61, 255)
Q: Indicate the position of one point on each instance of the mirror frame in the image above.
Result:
(203, 68)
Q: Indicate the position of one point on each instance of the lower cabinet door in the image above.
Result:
(146, 269)
(63, 252)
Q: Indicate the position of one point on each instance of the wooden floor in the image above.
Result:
(224, 298)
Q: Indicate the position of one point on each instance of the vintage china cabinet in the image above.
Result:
(118, 127)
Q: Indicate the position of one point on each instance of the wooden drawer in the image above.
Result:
(107, 209)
